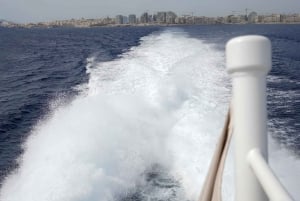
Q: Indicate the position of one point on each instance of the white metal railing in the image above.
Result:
(248, 61)
(269, 182)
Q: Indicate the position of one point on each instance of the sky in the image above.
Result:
(24, 11)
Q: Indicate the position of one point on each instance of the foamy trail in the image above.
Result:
(163, 102)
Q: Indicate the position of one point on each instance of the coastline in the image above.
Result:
(160, 19)
(26, 26)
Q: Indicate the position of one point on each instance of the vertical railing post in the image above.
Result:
(248, 61)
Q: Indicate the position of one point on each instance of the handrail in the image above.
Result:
(269, 182)
(248, 61)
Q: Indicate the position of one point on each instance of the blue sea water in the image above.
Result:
(115, 113)
(39, 65)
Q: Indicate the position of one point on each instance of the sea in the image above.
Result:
(132, 113)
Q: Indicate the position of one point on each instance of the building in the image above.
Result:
(293, 18)
(161, 17)
(119, 19)
(108, 20)
(132, 19)
(236, 19)
(180, 20)
(208, 20)
(170, 17)
(274, 18)
(144, 18)
(125, 20)
(251, 17)
(150, 19)
(220, 20)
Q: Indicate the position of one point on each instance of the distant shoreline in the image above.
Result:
(142, 25)
(161, 19)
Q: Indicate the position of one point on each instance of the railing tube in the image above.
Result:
(269, 182)
(248, 61)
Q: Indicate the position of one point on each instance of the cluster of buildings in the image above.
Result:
(253, 17)
(64, 23)
(171, 18)
(158, 18)
(164, 18)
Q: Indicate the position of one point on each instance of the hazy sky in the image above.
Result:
(47, 10)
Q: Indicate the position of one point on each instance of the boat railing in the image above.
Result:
(248, 60)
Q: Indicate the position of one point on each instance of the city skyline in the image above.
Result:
(163, 18)
(46, 10)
